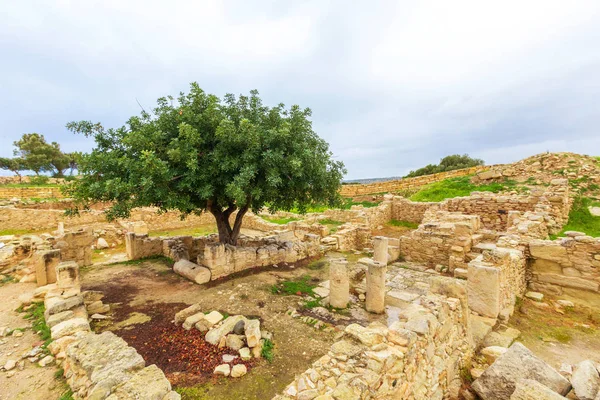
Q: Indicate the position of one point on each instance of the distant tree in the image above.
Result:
(35, 152)
(59, 160)
(15, 165)
(448, 163)
(74, 159)
(203, 154)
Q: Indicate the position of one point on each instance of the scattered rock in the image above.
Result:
(502, 338)
(192, 320)
(46, 361)
(585, 380)
(214, 335)
(566, 369)
(227, 358)
(102, 244)
(17, 333)
(10, 364)
(492, 353)
(565, 303)
(238, 371)
(223, 369)
(97, 307)
(238, 329)
(252, 331)
(182, 315)
(234, 342)
(245, 354)
(99, 316)
(535, 296)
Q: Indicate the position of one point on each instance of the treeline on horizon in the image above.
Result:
(33, 153)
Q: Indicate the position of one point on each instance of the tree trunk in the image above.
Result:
(227, 233)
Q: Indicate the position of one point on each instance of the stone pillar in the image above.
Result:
(67, 274)
(339, 283)
(380, 249)
(61, 228)
(375, 301)
(45, 266)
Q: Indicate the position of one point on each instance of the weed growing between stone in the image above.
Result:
(267, 350)
(581, 220)
(298, 287)
(36, 315)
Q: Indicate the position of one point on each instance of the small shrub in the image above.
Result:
(39, 180)
(267, 350)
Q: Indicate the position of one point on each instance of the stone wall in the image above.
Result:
(495, 279)
(418, 357)
(443, 238)
(411, 211)
(407, 183)
(34, 192)
(222, 259)
(76, 246)
(569, 267)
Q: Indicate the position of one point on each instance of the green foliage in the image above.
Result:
(59, 374)
(458, 187)
(7, 279)
(581, 220)
(280, 220)
(200, 153)
(448, 163)
(198, 392)
(36, 315)
(267, 350)
(67, 395)
(39, 180)
(405, 224)
(40, 156)
(298, 286)
(15, 165)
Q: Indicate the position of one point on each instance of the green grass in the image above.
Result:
(7, 279)
(317, 265)
(68, 395)
(581, 220)
(36, 315)
(198, 231)
(267, 350)
(404, 224)
(458, 187)
(300, 285)
(366, 204)
(198, 392)
(280, 220)
(4, 232)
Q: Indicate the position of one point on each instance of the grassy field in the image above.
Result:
(197, 231)
(403, 224)
(581, 220)
(458, 187)
(280, 220)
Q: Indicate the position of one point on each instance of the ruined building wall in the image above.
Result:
(568, 267)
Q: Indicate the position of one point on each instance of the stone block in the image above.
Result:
(585, 380)
(214, 335)
(529, 389)
(499, 381)
(483, 289)
(149, 384)
(192, 271)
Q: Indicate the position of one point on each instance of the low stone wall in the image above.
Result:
(411, 211)
(222, 259)
(417, 357)
(34, 192)
(407, 183)
(76, 246)
(568, 267)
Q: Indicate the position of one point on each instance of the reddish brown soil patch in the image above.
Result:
(184, 356)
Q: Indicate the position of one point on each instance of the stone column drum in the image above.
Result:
(375, 301)
(339, 283)
(380, 249)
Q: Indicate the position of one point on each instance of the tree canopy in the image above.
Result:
(448, 163)
(200, 153)
(32, 152)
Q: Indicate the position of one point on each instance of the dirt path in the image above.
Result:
(28, 381)
(151, 290)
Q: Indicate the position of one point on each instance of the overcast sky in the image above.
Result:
(393, 85)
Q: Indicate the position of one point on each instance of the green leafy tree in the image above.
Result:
(15, 165)
(448, 163)
(200, 153)
(74, 159)
(59, 161)
(35, 152)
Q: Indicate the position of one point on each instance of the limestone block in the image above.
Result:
(182, 315)
(234, 342)
(192, 271)
(45, 266)
(529, 389)
(150, 383)
(69, 327)
(492, 353)
(192, 320)
(339, 284)
(585, 380)
(67, 274)
(55, 305)
(367, 336)
(547, 250)
(380, 249)
(214, 335)
(500, 379)
(569, 281)
(252, 331)
(483, 289)
(56, 319)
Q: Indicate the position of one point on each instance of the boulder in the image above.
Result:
(214, 335)
(500, 379)
(528, 389)
(102, 244)
(585, 380)
(252, 331)
(238, 329)
(191, 271)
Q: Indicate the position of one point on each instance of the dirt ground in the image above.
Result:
(558, 338)
(145, 296)
(32, 382)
